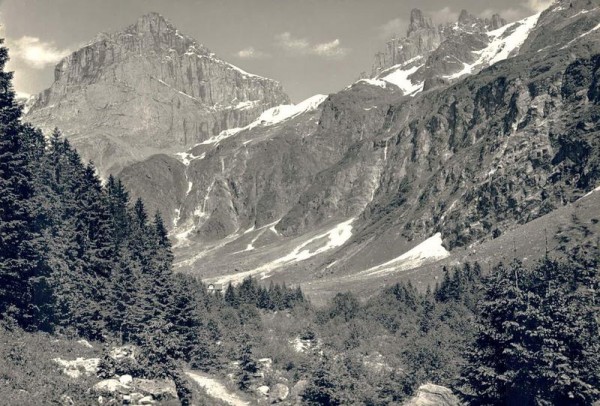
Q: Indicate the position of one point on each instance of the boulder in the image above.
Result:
(299, 387)
(147, 400)
(126, 379)
(160, 389)
(433, 395)
(279, 393)
(79, 366)
(111, 386)
(85, 343)
(263, 390)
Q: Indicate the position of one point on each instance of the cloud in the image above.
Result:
(445, 15)
(35, 52)
(301, 46)
(330, 49)
(539, 5)
(392, 28)
(251, 53)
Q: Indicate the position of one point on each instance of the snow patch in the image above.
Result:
(504, 41)
(186, 158)
(272, 116)
(428, 251)
(335, 237)
(400, 78)
(374, 82)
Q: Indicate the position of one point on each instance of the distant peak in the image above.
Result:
(153, 16)
(152, 22)
(465, 17)
(418, 20)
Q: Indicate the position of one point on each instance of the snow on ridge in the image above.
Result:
(374, 82)
(272, 116)
(400, 78)
(186, 158)
(504, 41)
(428, 251)
(335, 237)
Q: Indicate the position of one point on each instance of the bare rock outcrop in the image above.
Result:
(147, 89)
(433, 395)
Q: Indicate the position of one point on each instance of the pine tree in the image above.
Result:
(538, 341)
(248, 366)
(19, 231)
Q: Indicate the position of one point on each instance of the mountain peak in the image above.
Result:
(418, 21)
(152, 22)
(465, 17)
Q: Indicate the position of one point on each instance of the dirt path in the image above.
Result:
(216, 389)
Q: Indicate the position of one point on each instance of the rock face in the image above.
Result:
(430, 56)
(343, 189)
(433, 395)
(147, 89)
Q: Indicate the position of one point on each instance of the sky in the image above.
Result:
(309, 46)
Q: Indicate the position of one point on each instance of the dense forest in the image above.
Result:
(79, 259)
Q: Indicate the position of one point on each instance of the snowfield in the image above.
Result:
(429, 250)
(505, 41)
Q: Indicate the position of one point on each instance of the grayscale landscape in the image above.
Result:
(177, 226)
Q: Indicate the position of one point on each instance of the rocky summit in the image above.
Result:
(147, 89)
(375, 180)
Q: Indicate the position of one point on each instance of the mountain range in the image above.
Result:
(462, 136)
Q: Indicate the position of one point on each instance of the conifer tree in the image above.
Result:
(19, 230)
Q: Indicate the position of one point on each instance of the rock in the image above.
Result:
(66, 401)
(85, 343)
(160, 389)
(147, 400)
(183, 95)
(263, 390)
(265, 364)
(110, 387)
(135, 397)
(279, 393)
(79, 366)
(298, 388)
(126, 379)
(433, 395)
(125, 351)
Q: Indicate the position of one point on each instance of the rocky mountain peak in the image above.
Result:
(497, 21)
(418, 21)
(183, 94)
(465, 17)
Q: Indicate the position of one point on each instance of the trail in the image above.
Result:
(216, 389)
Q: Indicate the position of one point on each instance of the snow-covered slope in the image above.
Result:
(448, 52)
(272, 116)
(504, 42)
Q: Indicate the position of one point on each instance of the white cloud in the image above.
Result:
(393, 28)
(330, 49)
(35, 52)
(251, 53)
(445, 15)
(301, 46)
(539, 5)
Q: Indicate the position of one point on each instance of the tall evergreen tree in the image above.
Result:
(19, 230)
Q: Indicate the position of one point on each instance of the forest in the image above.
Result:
(79, 259)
